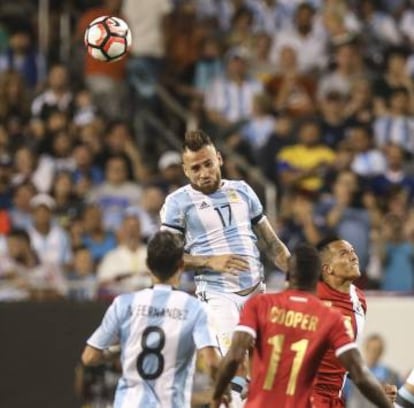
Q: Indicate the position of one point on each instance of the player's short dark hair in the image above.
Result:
(307, 267)
(326, 241)
(195, 140)
(164, 254)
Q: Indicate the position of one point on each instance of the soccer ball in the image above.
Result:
(108, 38)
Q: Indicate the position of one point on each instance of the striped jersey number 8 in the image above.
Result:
(151, 350)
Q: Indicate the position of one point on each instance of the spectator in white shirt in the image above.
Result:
(367, 161)
(116, 193)
(123, 269)
(49, 240)
(56, 96)
(397, 125)
(308, 43)
(230, 98)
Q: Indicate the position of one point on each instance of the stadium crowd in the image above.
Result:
(318, 95)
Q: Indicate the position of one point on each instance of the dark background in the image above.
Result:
(40, 345)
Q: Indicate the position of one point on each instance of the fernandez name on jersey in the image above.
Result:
(159, 330)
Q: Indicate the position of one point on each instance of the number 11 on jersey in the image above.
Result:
(299, 348)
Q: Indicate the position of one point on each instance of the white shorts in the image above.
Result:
(223, 312)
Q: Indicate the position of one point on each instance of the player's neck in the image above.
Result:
(174, 281)
(340, 285)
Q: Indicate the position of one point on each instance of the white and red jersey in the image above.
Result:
(353, 306)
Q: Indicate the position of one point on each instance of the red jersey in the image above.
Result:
(331, 375)
(293, 330)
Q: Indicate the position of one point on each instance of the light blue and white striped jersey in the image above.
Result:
(159, 330)
(216, 224)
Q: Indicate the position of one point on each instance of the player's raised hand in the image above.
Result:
(390, 391)
(228, 263)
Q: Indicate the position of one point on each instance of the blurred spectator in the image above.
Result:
(171, 172)
(85, 168)
(21, 212)
(359, 109)
(151, 203)
(61, 152)
(378, 30)
(116, 193)
(56, 96)
(119, 140)
(208, 65)
(146, 19)
(67, 202)
(302, 165)
(49, 240)
(396, 125)
(298, 220)
(261, 67)
(240, 32)
(269, 15)
(309, 45)
(105, 81)
(368, 161)
(395, 174)
(346, 216)
(373, 350)
(81, 278)
(34, 168)
(230, 98)
(124, 268)
(94, 237)
(14, 105)
(348, 69)
(5, 178)
(279, 138)
(24, 276)
(22, 57)
(257, 131)
(395, 76)
(397, 254)
(332, 119)
(293, 92)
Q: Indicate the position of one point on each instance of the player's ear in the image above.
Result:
(220, 158)
(327, 269)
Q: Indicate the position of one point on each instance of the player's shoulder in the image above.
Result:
(178, 194)
(235, 184)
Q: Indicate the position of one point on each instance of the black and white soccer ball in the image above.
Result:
(108, 38)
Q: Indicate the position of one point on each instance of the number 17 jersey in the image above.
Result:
(293, 330)
(159, 330)
(216, 224)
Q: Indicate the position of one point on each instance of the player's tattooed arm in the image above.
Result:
(227, 263)
(275, 249)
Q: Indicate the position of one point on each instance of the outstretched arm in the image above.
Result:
(241, 343)
(275, 249)
(363, 379)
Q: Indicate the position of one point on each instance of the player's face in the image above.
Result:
(344, 261)
(202, 168)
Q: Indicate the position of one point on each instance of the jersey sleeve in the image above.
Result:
(340, 337)
(255, 206)
(203, 333)
(172, 217)
(249, 317)
(107, 333)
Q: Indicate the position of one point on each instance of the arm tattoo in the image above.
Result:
(275, 249)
